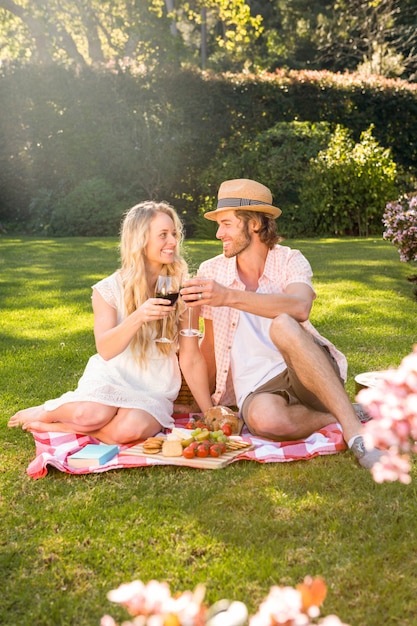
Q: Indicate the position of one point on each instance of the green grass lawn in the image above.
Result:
(67, 540)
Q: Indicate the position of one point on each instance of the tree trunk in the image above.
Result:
(36, 27)
(42, 31)
(170, 8)
(203, 38)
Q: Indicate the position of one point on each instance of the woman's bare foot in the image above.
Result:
(49, 427)
(21, 418)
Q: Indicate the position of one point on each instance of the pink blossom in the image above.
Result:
(286, 606)
(188, 607)
(107, 620)
(154, 620)
(153, 605)
(140, 599)
(391, 467)
(392, 403)
(283, 605)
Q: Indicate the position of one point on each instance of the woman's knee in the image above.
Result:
(129, 426)
(94, 415)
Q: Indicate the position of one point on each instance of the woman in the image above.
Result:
(128, 388)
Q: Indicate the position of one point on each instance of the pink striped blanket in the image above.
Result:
(53, 449)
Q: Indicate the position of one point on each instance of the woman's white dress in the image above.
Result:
(121, 381)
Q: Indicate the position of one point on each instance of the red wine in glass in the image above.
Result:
(168, 289)
(172, 297)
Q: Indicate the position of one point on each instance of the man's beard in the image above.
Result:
(238, 246)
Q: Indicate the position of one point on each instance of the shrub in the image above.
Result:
(278, 158)
(91, 209)
(40, 210)
(205, 229)
(348, 185)
(156, 133)
(400, 221)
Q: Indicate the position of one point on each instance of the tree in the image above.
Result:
(374, 35)
(85, 32)
(289, 27)
(127, 32)
(379, 36)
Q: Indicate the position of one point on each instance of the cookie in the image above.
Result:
(153, 445)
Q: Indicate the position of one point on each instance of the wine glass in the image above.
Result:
(190, 331)
(167, 288)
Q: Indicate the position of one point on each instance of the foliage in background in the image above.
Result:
(279, 157)
(86, 33)
(372, 37)
(148, 138)
(90, 208)
(121, 34)
(223, 35)
(156, 135)
(348, 184)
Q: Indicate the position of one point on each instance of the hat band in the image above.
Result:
(235, 202)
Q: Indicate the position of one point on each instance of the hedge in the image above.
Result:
(156, 135)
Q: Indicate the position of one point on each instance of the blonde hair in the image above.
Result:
(133, 242)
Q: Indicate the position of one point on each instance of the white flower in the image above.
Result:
(283, 605)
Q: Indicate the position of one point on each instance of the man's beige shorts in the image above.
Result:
(289, 387)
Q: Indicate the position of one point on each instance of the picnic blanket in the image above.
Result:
(53, 449)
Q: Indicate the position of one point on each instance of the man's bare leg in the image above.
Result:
(317, 375)
(269, 416)
(315, 372)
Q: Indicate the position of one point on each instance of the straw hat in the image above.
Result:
(246, 195)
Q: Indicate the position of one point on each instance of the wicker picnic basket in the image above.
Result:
(185, 396)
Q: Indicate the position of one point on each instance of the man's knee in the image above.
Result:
(269, 419)
(285, 330)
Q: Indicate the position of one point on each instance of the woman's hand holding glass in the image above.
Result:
(166, 288)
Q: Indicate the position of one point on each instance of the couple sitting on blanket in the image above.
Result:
(259, 349)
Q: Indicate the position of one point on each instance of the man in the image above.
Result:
(263, 353)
